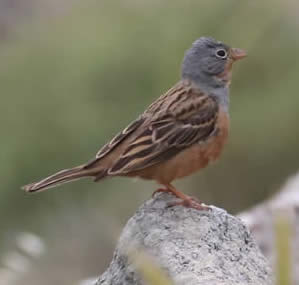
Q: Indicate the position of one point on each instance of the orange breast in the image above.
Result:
(191, 159)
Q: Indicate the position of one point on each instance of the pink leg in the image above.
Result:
(186, 200)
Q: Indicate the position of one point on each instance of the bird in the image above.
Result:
(180, 133)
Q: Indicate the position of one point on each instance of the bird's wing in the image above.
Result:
(115, 142)
(119, 137)
(179, 119)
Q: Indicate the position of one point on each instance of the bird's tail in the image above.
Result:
(61, 177)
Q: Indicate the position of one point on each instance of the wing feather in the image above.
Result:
(119, 138)
(173, 127)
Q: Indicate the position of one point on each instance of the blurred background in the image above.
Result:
(73, 73)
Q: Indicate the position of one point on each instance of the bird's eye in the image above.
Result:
(221, 53)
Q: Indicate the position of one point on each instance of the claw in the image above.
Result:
(190, 203)
(186, 200)
(162, 190)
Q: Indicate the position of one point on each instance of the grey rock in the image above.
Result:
(191, 246)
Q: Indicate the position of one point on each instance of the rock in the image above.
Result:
(191, 246)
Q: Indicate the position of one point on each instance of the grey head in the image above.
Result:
(208, 64)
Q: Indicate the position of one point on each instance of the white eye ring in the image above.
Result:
(221, 53)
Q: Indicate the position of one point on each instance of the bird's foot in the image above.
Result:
(186, 201)
(190, 202)
(163, 190)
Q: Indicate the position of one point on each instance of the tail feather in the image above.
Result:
(61, 177)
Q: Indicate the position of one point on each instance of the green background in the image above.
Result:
(73, 74)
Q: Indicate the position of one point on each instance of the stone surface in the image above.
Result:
(193, 247)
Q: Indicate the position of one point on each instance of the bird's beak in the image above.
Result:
(237, 53)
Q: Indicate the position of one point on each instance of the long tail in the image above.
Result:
(61, 177)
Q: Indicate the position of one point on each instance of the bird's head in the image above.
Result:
(209, 62)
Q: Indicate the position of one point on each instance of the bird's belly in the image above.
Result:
(186, 162)
(191, 159)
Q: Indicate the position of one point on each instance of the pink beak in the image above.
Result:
(237, 53)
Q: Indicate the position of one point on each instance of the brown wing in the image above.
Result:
(117, 140)
(184, 117)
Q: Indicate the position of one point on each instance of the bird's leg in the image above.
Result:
(163, 190)
(186, 200)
